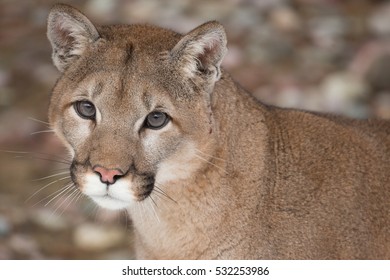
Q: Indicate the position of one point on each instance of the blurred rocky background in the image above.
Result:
(321, 55)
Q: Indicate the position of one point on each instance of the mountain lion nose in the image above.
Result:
(108, 176)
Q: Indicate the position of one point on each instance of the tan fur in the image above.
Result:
(244, 180)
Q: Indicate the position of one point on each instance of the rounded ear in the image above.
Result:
(201, 51)
(69, 32)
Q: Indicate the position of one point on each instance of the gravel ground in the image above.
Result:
(321, 55)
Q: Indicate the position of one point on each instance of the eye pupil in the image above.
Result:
(156, 120)
(85, 109)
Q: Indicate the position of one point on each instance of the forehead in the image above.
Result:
(132, 45)
(125, 52)
(121, 88)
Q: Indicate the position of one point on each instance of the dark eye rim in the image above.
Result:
(77, 108)
(166, 121)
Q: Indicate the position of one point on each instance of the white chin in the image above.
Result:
(110, 203)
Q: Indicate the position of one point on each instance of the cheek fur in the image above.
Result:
(76, 129)
(178, 166)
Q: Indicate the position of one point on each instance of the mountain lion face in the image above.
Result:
(133, 103)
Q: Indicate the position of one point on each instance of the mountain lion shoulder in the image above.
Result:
(157, 127)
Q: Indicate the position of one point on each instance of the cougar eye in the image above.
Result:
(85, 109)
(156, 120)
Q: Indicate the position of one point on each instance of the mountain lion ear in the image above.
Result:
(201, 51)
(69, 32)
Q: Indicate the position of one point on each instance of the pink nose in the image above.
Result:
(108, 176)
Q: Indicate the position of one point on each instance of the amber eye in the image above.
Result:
(156, 120)
(85, 109)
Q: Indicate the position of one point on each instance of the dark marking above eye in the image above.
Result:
(97, 89)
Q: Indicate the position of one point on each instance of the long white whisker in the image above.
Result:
(54, 193)
(125, 214)
(152, 203)
(45, 186)
(42, 158)
(94, 211)
(68, 194)
(36, 120)
(68, 187)
(79, 196)
(42, 131)
(32, 156)
(75, 194)
(209, 162)
(50, 176)
(140, 209)
(217, 158)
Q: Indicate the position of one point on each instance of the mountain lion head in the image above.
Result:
(133, 103)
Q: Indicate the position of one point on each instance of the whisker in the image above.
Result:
(79, 196)
(209, 162)
(66, 194)
(50, 176)
(65, 190)
(47, 159)
(160, 191)
(125, 214)
(63, 160)
(141, 209)
(39, 121)
(74, 194)
(154, 202)
(151, 202)
(69, 194)
(160, 194)
(94, 211)
(45, 186)
(54, 193)
(42, 131)
(217, 158)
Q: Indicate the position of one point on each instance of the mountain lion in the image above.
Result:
(155, 126)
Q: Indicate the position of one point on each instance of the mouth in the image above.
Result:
(115, 200)
(109, 202)
(112, 202)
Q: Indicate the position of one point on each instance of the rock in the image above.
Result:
(285, 19)
(101, 9)
(343, 93)
(25, 246)
(93, 237)
(326, 31)
(379, 22)
(48, 219)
